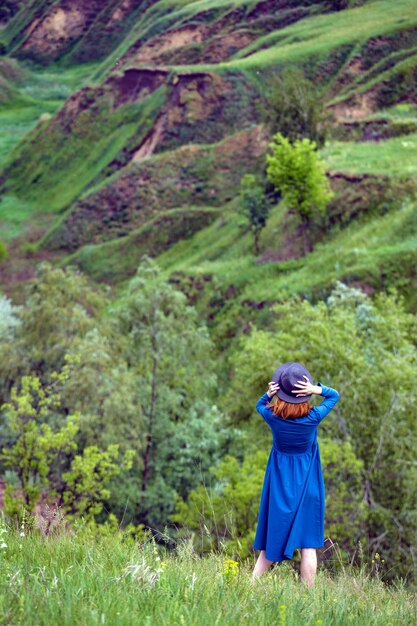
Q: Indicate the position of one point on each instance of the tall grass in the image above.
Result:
(73, 577)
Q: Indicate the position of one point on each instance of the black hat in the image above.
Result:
(286, 376)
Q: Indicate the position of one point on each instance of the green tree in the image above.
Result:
(45, 459)
(294, 107)
(254, 205)
(61, 306)
(299, 174)
(171, 355)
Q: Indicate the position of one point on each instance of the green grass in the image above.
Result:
(15, 123)
(39, 93)
(396, 157)
(74, 579)
(403, 112)
(35, 94)
(316, 36)
(53, 168)
(118, 259)
(16, 217)
(378, 252)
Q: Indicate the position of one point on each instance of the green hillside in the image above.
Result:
(75, 135)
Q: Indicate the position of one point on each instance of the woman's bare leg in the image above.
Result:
(308, 566)
(262, 564)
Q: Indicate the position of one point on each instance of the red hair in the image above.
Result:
(288, 409)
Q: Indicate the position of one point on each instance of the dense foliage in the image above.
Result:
(142, 379)
(138, 379)
(367, 350)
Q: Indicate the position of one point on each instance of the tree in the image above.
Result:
(45, 459)
(299, 174)
(60, 308)
(171, 356)
(254, 205)
(294, 108)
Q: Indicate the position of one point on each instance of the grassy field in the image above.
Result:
(71, 578)
(396, 157)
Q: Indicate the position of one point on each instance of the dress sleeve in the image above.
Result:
(261, 407)
(331, 396)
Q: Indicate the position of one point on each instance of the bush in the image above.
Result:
(294, 108)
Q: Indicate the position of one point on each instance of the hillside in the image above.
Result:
(128, 128)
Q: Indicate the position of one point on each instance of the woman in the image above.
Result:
(291, 512)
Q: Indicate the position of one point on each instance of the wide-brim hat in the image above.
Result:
(286, 376)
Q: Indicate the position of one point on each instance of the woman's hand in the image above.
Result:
(272, 388)
(305, 388)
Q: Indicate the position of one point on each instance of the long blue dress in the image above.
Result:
(291, 511)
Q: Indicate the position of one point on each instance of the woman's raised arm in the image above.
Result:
(261, 407)
(331, 396)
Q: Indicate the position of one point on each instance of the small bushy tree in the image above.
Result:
(296, 170)
(254, 205)
(294, 107)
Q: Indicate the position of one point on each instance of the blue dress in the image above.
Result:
(291, 511)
